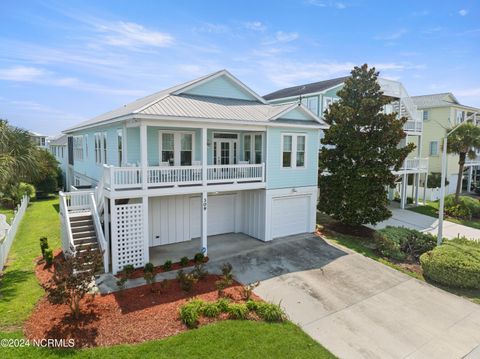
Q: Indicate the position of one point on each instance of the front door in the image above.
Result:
(225, 152)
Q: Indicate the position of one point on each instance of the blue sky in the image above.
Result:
(64, 62)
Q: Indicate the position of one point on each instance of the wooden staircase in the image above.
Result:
(84, 236)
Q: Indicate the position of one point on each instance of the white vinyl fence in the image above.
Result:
(6, 242)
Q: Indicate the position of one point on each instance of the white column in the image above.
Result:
(425, 189)
(204, 156)
(469, 182)
(143, 154)
(124, 146)
(146, 237)
(114, 231)
(204, 209)
(417, 188)
(403, 194)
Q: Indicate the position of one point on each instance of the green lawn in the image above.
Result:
(229, 339)
(7, 212)
(431, 209)
(19, 287)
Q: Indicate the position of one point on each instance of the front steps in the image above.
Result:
(84, 236)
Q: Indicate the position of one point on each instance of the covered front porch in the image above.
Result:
(219, 246)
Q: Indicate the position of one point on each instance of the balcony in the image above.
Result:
(129, 178)
(412, 126)
(413, 165)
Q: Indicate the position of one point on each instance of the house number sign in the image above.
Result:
(204, 204)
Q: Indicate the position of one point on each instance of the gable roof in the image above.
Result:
(305, 89)
(445, 99)
(176, 102)
(59, 140)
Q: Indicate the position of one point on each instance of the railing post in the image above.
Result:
(143, 154)
(263, 171)
(204, 156)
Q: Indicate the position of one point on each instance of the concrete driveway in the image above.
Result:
(409, 219)
(356, 307)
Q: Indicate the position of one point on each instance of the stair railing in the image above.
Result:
(99, 231)
(66, 229)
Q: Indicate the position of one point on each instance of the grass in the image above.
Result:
(228, 339)
(7, 212)
(366, 247)
(431, 209)
(19, 288)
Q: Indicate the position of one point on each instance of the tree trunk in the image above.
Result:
(461, 165)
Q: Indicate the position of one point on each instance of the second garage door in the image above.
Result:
(290, 215)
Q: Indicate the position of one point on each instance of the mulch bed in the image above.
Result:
(138, 273)
(130, 316)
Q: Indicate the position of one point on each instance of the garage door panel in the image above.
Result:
(290, 215)
(220, 218)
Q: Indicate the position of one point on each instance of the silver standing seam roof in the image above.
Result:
(173, 103)
(446, 99)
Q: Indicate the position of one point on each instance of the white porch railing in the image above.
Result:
(99, 231)
(396, 89)
(6, 242)
(235, 173)
(415, 164)
(131, 177)
(78, 201)
(413, 126)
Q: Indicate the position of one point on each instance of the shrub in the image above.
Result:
(237, 311)
(43, 245)
(149, 267)
(223, 304)
(252, 305)
(128, 270)
(399, 243)
(48, 256)
(199, 271)
(459, 211)
(186, 280)
(199, 258)
(465, 202)
(455, 263)
(270, 312)
(184, 261)
(226, 279)
(190, 312)
(167, 265)
(121, 283)
(211, 310)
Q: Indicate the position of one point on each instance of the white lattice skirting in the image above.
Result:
(127, 230)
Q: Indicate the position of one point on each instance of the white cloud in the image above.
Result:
(21, 73)
(282, 36)
(213, 28)
(332, 4)
(255, 26)
(463, 12)
(392, 36)
(129, 34)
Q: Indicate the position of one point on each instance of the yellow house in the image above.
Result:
(441, 112)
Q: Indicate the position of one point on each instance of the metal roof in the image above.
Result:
(446, 99)
(173, 103)
(59, 140)
(305, 89)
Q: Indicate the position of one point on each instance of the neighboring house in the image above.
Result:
(206, 157)
(39, 140)
(58, 148)
(441, 112)
(318, 96)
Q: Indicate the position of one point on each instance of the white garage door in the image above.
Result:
(220, 218)
(290, 215)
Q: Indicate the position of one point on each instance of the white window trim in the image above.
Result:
(78, 150)
(102, 135)
(430, 148)
(231, 140)
(177, 145)
(121, 161)
(423, 115)
(294, 151)
(252, 145)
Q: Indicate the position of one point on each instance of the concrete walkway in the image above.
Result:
(423, 223)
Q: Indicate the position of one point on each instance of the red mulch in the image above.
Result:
(130, 316)
(138, 273)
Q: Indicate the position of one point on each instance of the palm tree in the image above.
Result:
(18, 155)
(464, 141)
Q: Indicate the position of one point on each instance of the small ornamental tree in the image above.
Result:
(72, 279)
(464, 142)
(361, 148)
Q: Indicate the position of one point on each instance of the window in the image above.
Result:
(186, 149)
(290, 143)
(459, 116)
(425, 115)
(61, 148)
(101, 147)
(120, 146)
(86, 146)
(78, 148)
(311, 103)
(252, 148)
(177, 148)
(327, 101)
(434, 148)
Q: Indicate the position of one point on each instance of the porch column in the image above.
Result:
(143, 154)
(146, 239)
(417, 188)
(106, 228)
(403, 195)
(425, 189)
(204, 156)
(204, 209)
(469, 182)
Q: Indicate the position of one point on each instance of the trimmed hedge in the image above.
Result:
(467, 207)
(400, 243)
(455, 263)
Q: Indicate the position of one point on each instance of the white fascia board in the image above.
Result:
(304, 110)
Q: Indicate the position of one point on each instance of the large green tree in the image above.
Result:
(463, 142)
(361, 149)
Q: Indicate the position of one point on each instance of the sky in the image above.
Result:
(62, 62)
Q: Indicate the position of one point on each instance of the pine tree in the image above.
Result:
(361, 148)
